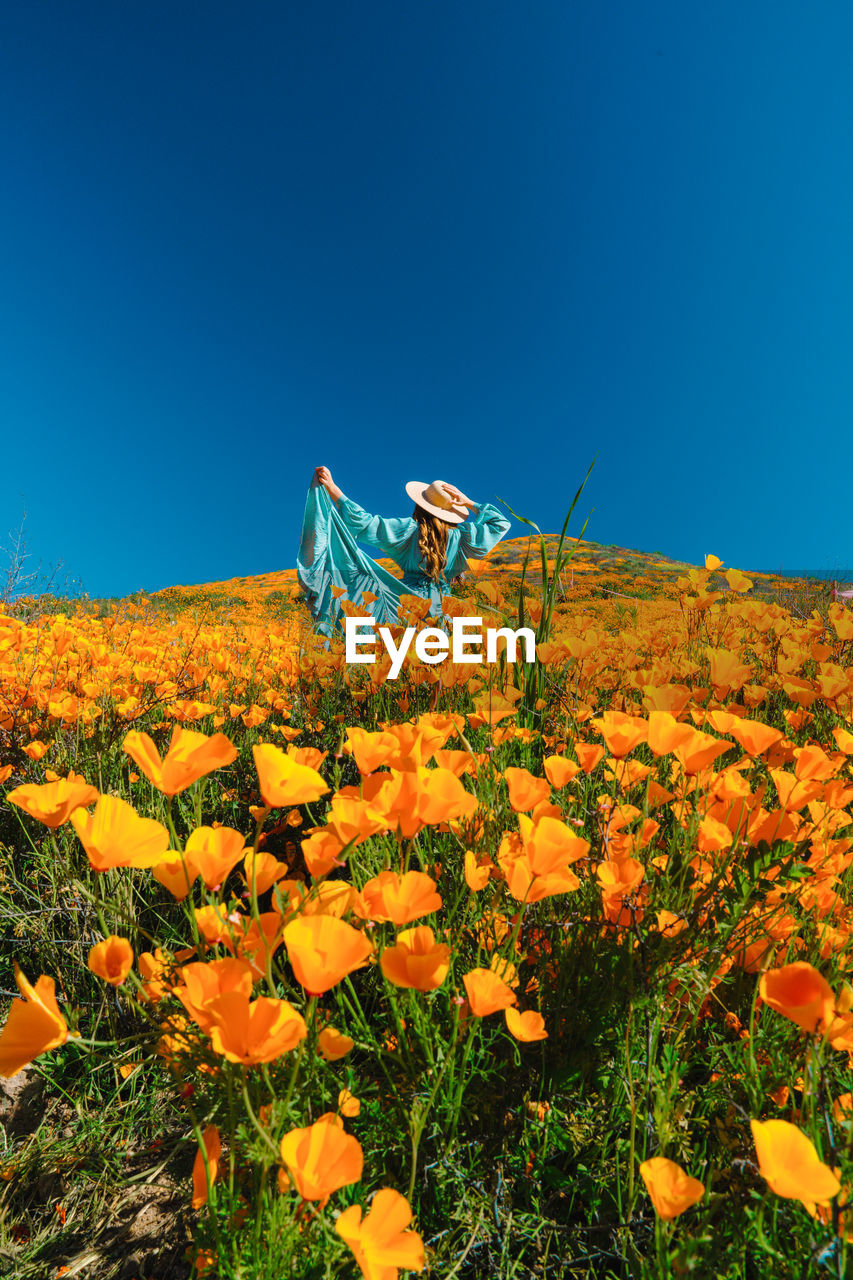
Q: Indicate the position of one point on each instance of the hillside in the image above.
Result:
(595, 570)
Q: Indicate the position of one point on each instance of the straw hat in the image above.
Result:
(435, 499)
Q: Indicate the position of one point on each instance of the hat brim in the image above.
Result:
(415, 489)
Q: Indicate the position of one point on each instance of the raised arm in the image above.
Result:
(385, 535)
(323, 476)
(478, 535)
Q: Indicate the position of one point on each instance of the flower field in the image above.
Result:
(494, 970)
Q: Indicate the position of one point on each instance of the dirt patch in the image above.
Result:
(21, 1107)
(103, 1230)
(143, 1237)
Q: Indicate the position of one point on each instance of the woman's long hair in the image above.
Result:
(432, 542)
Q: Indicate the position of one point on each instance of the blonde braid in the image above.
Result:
(432, 542)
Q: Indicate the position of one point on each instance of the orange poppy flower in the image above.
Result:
(213, 923)
(657, 794)
(793, 794)
(525, 790)
(712, 836)
(669, 1187)
(254, 716)
(400, 899)
(619, 878)
(322, 950)
(255, 940)
(322, 1158)
(111, 959)
(321, 851)
(329, 898)
(190, 756)
(333, 1044)
(490, 709)
(251, 1031)
(621, 732)
(753, 736)
(589, 754)
(559, 771)
(477, 871)
(203, 983)
(213, 1150)
(416, 960)
(844, 740)
(738, 581)
(550, 844)
(283, 781)
(535, 860)
(813, 764)
(670, 924)
(214, 851)
(33, 1026)
(843, 1108)
(727, 671)
(353, 819)
(115, 835)
(288, 732)
(409, 799)
(443, 796)
(842, 619)
(487, 993)
(839, 1028)
(790, 1164)
(669, 697)
(457, 762)
(665, 733)
(176, 875)
(505, 969)
(348, 1104)
(53, 802)
(527, 1027)
(398, 801)
(801, 993)
(312, 757)
(527, 885)
(699, 750)
(381, 1241)
(265, 868)
(155, 970)
(370, 750)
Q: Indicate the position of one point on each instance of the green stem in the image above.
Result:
(261, 1131)
(297, 1061)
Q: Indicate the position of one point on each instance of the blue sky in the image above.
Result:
(481, 242)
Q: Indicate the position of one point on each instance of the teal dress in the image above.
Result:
(329, 556)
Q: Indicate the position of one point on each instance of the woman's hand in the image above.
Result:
(458, 498)
(323, 476)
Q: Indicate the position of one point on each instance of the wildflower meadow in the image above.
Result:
(532, 969)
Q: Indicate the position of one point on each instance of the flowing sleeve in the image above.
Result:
(383, 535)
(478, 536)
(329, 557)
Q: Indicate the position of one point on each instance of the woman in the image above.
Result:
(431, 546)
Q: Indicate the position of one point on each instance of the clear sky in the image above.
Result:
(475, 241)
